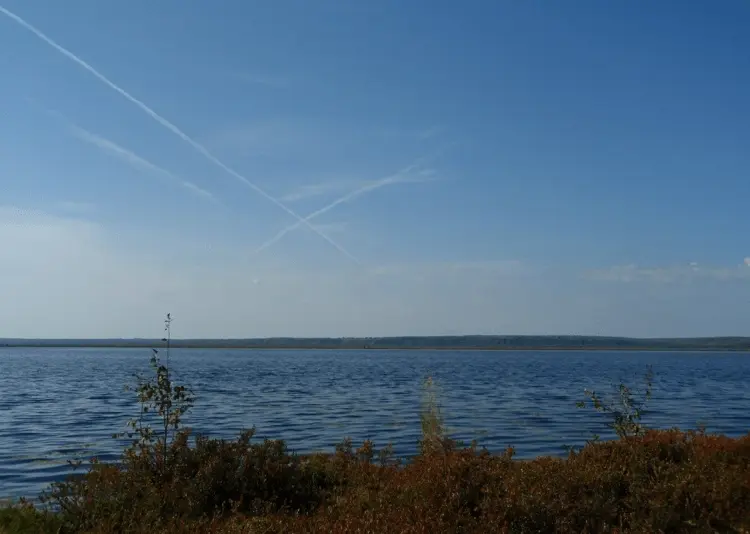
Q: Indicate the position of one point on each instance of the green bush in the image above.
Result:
(25, 519)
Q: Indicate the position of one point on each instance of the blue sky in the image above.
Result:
(477, 167)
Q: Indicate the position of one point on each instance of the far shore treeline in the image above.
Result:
(478, 342)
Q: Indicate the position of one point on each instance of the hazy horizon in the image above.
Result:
(404, 336)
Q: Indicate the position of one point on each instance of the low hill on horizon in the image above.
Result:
(474, 342)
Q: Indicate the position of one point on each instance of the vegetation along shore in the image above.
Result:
(170, 480)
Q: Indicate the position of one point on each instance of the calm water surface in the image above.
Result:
(60, 404)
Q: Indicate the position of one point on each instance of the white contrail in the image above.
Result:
(131, 158)
(138, 162)
(392, 179)
(168, 125)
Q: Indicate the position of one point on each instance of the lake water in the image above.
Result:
(60, 404)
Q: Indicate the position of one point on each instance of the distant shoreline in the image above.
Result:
(524, 348)
(433, 343)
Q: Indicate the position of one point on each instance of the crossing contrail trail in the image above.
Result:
(169, 126)
(392, 179)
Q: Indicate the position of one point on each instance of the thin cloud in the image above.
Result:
(747, 261)
(669, 274)
(469, 268)
(324, 188)
(402, 176)
(169, 126)
(137, 162)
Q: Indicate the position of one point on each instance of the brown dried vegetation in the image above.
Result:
(646, 481)
(663, 481)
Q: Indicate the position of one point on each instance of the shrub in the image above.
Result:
(169, 474)
(170, 481)
(22, 518)
(666, 481)
(625, 409)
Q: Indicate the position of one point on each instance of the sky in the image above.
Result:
(400, 167)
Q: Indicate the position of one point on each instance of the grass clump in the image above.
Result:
(22, 518)
(171, 481)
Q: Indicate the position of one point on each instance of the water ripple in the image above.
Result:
(63, 404)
